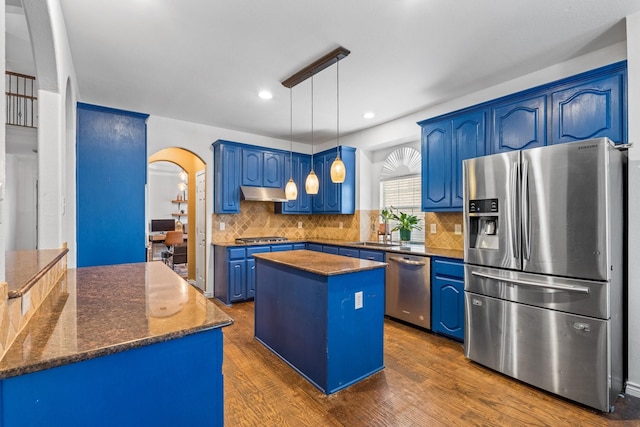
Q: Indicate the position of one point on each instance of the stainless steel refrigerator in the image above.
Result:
(543, 251)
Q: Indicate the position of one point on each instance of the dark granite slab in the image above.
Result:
(414, 249)
(96, 311)
(319, 262)
(24, 268)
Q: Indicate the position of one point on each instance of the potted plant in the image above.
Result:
(406, 223)
(387, 215)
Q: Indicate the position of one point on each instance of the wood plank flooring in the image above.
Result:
(427, 381)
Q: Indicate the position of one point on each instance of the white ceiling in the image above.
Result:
(205, 61)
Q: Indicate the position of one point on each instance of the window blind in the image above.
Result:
(405, 195)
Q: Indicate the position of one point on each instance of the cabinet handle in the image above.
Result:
(406, 261)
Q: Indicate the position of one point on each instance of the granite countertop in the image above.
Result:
(24, 268)
(319, 262)
(96, 311)
(413, 249)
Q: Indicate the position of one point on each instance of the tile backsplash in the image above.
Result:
(258, 219)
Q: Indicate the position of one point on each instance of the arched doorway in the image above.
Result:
(188, 203)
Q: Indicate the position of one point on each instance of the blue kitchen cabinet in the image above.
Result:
(262, 168)
(592, 109)
(467, 141)
(436, 166)
(111, 170)
(445, 144)
(519, 125)
(447, 297)
(314, 247)
(372, 255)
(226, 179)
(350, 252)
(335, 198)
(300, 164)
(234, 277)
(330, 249)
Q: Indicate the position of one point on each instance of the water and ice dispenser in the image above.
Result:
(484, 226)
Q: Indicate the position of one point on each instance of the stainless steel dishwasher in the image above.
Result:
(408, 288)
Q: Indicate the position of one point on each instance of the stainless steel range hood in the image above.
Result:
(263, 194)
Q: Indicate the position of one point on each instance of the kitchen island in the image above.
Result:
(129, 344)
(322, 314)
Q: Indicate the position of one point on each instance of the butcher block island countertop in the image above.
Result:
(117, 343)
(322, 314)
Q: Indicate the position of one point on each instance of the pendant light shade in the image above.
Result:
(338, 171)
(312, 185)
(291, 190)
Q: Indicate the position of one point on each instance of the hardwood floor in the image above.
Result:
(427, 381)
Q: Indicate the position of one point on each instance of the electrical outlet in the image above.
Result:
(340, 225)
(222, 226)
(433, 229)
(299, 224)
(358, 299)
(457, 229)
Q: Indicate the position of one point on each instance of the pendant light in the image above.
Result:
(311, 184)
(291, 190)
(338, 171)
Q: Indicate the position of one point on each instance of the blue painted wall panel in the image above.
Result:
(111, 161)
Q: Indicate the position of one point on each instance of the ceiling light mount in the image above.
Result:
(316, 66)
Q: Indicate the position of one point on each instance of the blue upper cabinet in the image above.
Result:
(301, 165)
(226, 176)
(262, 168)
(589, 110)
(436, 166)
(468, 138)
(588, 105)
(445, 144)
(518, 125)
(111, 170)
(331, 197)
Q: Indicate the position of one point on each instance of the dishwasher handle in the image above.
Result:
(406, 261)
(556, 286)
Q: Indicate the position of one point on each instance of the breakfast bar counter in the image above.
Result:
(116, 344)
(322, 314)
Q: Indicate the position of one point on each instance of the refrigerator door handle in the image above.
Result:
(515, 244)
(526, 213)
(555, 286)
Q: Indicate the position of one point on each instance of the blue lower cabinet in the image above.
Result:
(141, 386)
(350, 252)
(314, 247)
(234, 278)
(447, 297)
(372, 255)
(330, 249)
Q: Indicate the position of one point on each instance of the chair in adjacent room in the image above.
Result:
(172, 239)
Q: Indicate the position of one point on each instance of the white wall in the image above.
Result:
(633, 58)
(20, 202)
(162, 189)
(2, 149)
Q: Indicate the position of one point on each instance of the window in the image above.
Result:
(401, 187)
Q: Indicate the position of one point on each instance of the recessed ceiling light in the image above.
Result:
(368, 115)
(265, 94)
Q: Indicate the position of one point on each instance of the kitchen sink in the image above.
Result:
(376, 244)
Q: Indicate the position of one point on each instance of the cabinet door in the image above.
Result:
(468, 137)
(519, 125)
(273, 169)
(330, 249)
(251, 278)
(252, 162)
(236, 280)
(318, 200)
(448, 307)
(332, 195)
(589, 110)
(227, 163)
(372, 255)
(436, 165)
(314, 247)
(302, 169)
